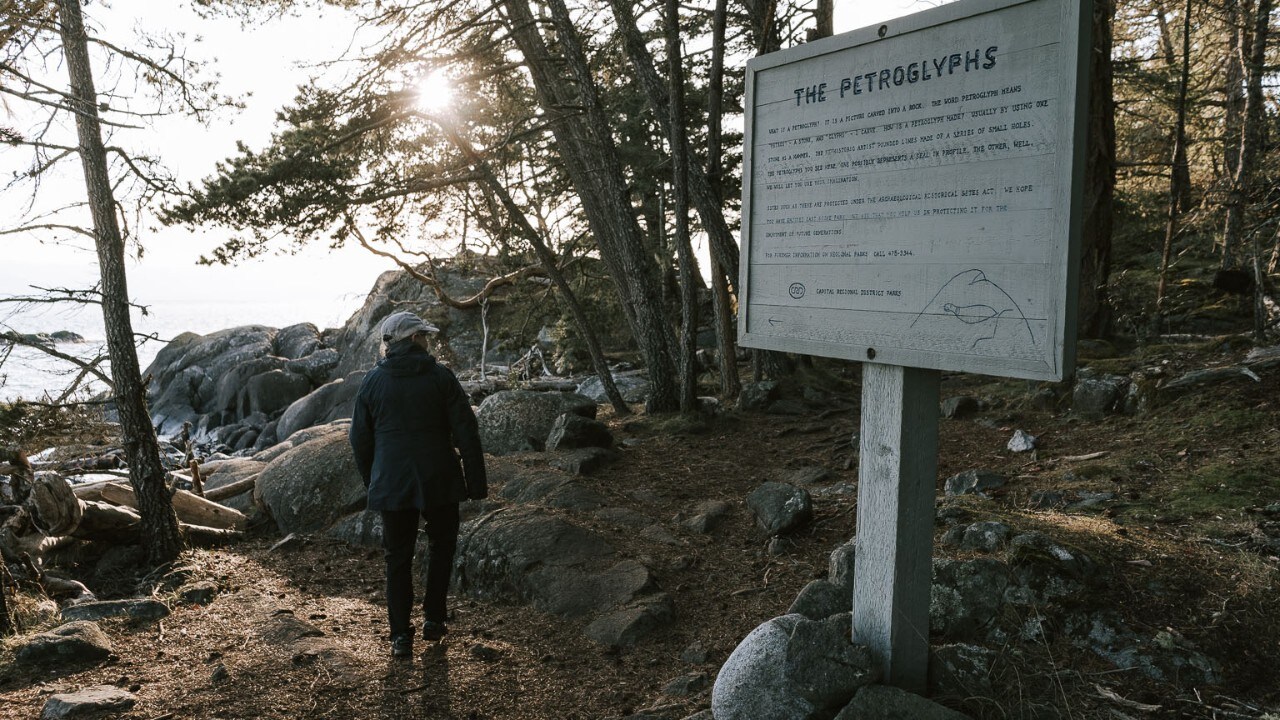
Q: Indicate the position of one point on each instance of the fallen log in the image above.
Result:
(190, 508)
(108, 523)
(230, 490)
(207, 537)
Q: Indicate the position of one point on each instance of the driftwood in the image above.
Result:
(207, 537)
(55, 510)
(108, 523)
(190, 508)
(197, 481)
(230, 490)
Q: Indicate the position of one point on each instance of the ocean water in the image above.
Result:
(32, 375)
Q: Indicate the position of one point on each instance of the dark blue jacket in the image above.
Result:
(409, 416)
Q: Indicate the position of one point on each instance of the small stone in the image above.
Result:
(1046, 500)
(757, 396)
(583, 461)
(198, 593)
(962, 406)
(484, 653)
(694, 654)
(780, 508)
(985, 536)
(137, 609)
(708, 517)
(625, 627)
(821, 599)
(570, 431)
(219, 674)
(1022, 441)
(976, 482)
(840, 565)
(88, 702)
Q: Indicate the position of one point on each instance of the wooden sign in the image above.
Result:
(911, 191)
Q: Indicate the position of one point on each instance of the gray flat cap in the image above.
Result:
(401, 325)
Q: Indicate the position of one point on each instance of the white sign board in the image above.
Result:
(911, 191)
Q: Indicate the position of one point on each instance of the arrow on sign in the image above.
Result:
(775, 321)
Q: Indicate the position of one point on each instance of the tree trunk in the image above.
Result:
(1252, 136)
(160, 531)
(678, 141)
(764, 25)
(823, 20)
(1180, 168)
(1233, 105)
(586, 146)
(704, 187)
(6, 618)
(1095, 311)
(1180, 173)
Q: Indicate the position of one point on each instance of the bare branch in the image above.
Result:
(14, 338)
(47, 226)
(430, 280)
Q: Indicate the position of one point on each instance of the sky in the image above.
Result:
(262, 63)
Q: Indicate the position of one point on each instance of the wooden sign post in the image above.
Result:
(898, 466)
(911, 198)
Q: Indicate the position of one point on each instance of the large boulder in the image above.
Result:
(298, 341)
(218, 380)
(792, 668)
(528, 555)
(73, 643)
(518, 420)
(196, 363)
(331, 401)
(966, 597)
(271, 392)
(1095, 394)
(314, 484)
(574, 431)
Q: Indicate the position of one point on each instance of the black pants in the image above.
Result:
(399, 537)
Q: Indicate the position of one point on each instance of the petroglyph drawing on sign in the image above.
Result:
(971, 299)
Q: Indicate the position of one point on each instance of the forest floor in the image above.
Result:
(1193, 479)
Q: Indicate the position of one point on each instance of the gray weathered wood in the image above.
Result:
(896, 480)
(914, 186)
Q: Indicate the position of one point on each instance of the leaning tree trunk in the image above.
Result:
(548, 260)
(586, 146)
(160, 531)
(1099, 182)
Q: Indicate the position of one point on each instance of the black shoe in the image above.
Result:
(433, 631)
(402, 645)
